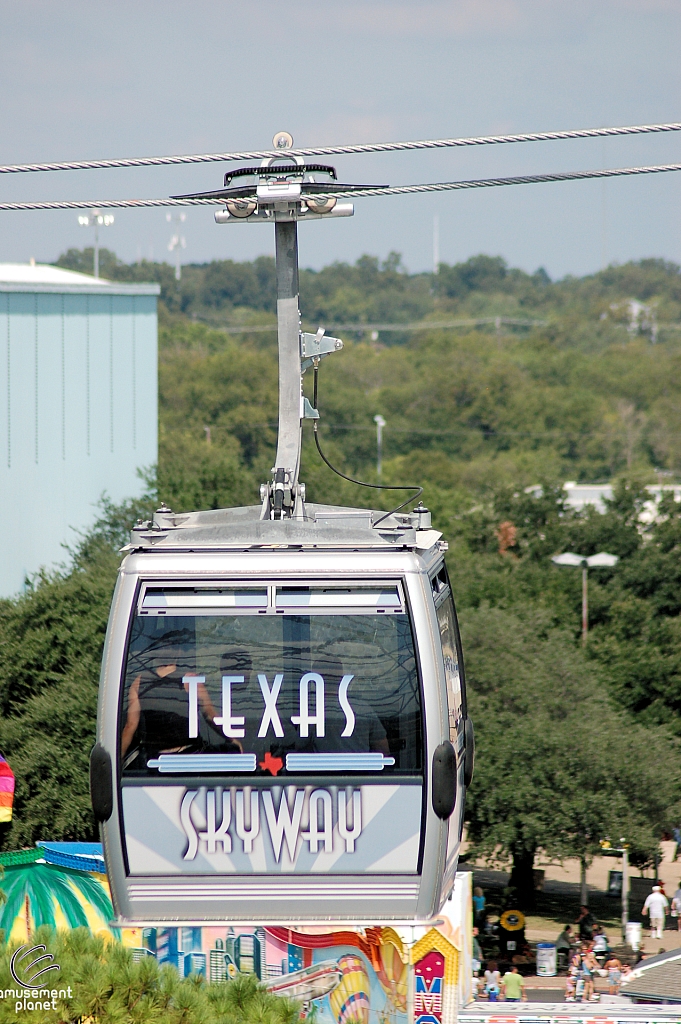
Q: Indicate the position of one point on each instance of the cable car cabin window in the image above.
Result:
(271, 681)
(451, 651)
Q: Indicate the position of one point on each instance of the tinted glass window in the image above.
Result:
(266, 692)
(449, 638)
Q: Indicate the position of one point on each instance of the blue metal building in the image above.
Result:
(78, 406)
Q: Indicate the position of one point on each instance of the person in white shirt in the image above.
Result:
(492, 982)
(656, 905)
(600, 941)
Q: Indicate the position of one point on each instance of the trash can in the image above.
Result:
(546, 960)
(632, 934)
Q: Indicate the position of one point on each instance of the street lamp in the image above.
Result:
(96, 219)
(602, 559)
(608, 850)
(380, 423)
(177, 242)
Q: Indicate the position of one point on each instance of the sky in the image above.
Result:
(83, 80)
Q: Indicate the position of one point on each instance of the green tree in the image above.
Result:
(557, 767)
(108, 987)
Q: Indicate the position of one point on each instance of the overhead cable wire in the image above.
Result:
(395, 190)
(520, 179)
(372, 147)
(109, 204)
(422, 325)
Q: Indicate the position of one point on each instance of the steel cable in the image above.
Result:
(395, 190)
(372, 147)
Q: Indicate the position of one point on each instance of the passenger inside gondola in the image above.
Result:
(156, 715)
(242, 684)
(359, 730)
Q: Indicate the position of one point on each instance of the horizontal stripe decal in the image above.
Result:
(182, 763)
(272, 893)
(337, 762)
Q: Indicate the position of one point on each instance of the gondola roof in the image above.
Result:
(324, 526)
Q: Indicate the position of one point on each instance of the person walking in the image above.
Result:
(477, 949)
(676, 832)
(614, 968)
(589, 968)
(513, 986)
(478, 907)
(586, 922)
(492, 982)
(601, 944)
(564, 945)
(676, 907)
(656, 905)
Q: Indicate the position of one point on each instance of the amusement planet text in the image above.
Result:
(36, 998)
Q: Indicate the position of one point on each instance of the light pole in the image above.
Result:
(96, 219)
(608, 850)
(625, 888)
(380, 423)
(602, 559)
(436, 244)
(177, 242)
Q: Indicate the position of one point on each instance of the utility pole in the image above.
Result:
(96, 219)
(585, 604)
(604, 214)
(380, 423)
(583, 891)
(609, 850)
(436, 244)
(625, 888)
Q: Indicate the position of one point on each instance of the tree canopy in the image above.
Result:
(492, 420)
(558, 767)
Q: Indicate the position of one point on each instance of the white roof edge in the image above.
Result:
(100, 288)
(44, 277)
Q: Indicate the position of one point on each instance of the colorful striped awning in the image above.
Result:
(6, 790)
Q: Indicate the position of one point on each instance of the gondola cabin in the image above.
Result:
(282, 725)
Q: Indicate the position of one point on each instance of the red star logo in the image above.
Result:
(273, 765)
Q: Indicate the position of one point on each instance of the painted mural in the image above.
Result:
(354, 976)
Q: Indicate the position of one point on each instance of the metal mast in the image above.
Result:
(284, 194)
(287, 462)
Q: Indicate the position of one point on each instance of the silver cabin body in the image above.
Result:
(337, 837)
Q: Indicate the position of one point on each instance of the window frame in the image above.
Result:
(381, 587)
(441, 590)
(396, 583)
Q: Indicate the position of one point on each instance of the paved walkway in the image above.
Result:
(563, 880)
